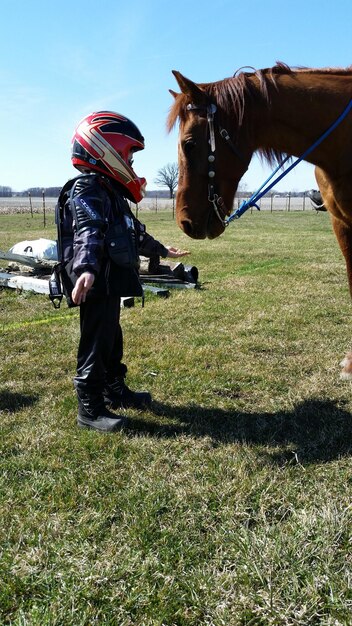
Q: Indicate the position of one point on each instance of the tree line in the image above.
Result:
(5, 192)
(49, 192)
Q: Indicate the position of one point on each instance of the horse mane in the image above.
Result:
(230, 95)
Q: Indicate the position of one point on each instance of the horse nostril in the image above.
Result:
(186, 226)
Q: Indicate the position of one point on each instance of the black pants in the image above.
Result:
(100, 347)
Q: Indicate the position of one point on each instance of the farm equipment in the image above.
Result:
(316, 200)
(29, 266)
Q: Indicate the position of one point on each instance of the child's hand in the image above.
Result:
(175, 253)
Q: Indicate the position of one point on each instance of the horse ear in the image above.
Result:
(173, 93)
(189, 88)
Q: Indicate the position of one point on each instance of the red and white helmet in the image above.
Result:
(104, 142)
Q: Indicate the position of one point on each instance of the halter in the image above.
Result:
(217, 202)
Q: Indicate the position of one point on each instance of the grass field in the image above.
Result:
(229, 503)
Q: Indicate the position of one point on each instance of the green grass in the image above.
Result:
(228, 504)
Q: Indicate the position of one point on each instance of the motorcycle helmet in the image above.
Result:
(104, 142)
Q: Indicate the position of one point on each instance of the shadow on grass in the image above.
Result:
(314, 431)
(12, 402)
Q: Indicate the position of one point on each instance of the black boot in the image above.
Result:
(92, 413)
(117, 395)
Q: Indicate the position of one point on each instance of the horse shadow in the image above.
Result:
(313, 431)
(11, 402)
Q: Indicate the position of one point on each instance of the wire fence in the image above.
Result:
(272, 202)
(44, 205)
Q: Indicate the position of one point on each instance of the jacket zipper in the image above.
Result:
(107, 274)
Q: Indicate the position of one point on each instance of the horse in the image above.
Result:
(277, 112)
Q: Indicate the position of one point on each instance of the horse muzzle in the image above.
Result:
(209, 228)
(192, 229)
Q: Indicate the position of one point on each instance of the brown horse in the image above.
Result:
(275, 112)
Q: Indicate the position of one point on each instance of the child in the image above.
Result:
(100, 245)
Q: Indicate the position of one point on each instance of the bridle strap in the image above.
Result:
(211, 110)
(225, 135)
(217, 202)
(219, 207)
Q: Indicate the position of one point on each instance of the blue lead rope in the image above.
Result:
(255, 197)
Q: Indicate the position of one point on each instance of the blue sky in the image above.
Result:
(61, 60)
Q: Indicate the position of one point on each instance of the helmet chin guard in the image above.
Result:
(104, 142)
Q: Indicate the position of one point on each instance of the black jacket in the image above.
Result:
(98, 201)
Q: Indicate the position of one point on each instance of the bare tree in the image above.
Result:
(168, 177)
(5, 192)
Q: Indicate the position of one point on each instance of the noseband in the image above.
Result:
(216, 200)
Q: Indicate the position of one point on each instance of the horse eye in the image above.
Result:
(188, 146)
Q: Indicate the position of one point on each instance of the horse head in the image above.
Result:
(212, 156)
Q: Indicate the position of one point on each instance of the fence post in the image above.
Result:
(44, 216)
(271, 202)
(304, 201)
(173, 206)
(30, 203)
(156, 203)
(288, 201)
